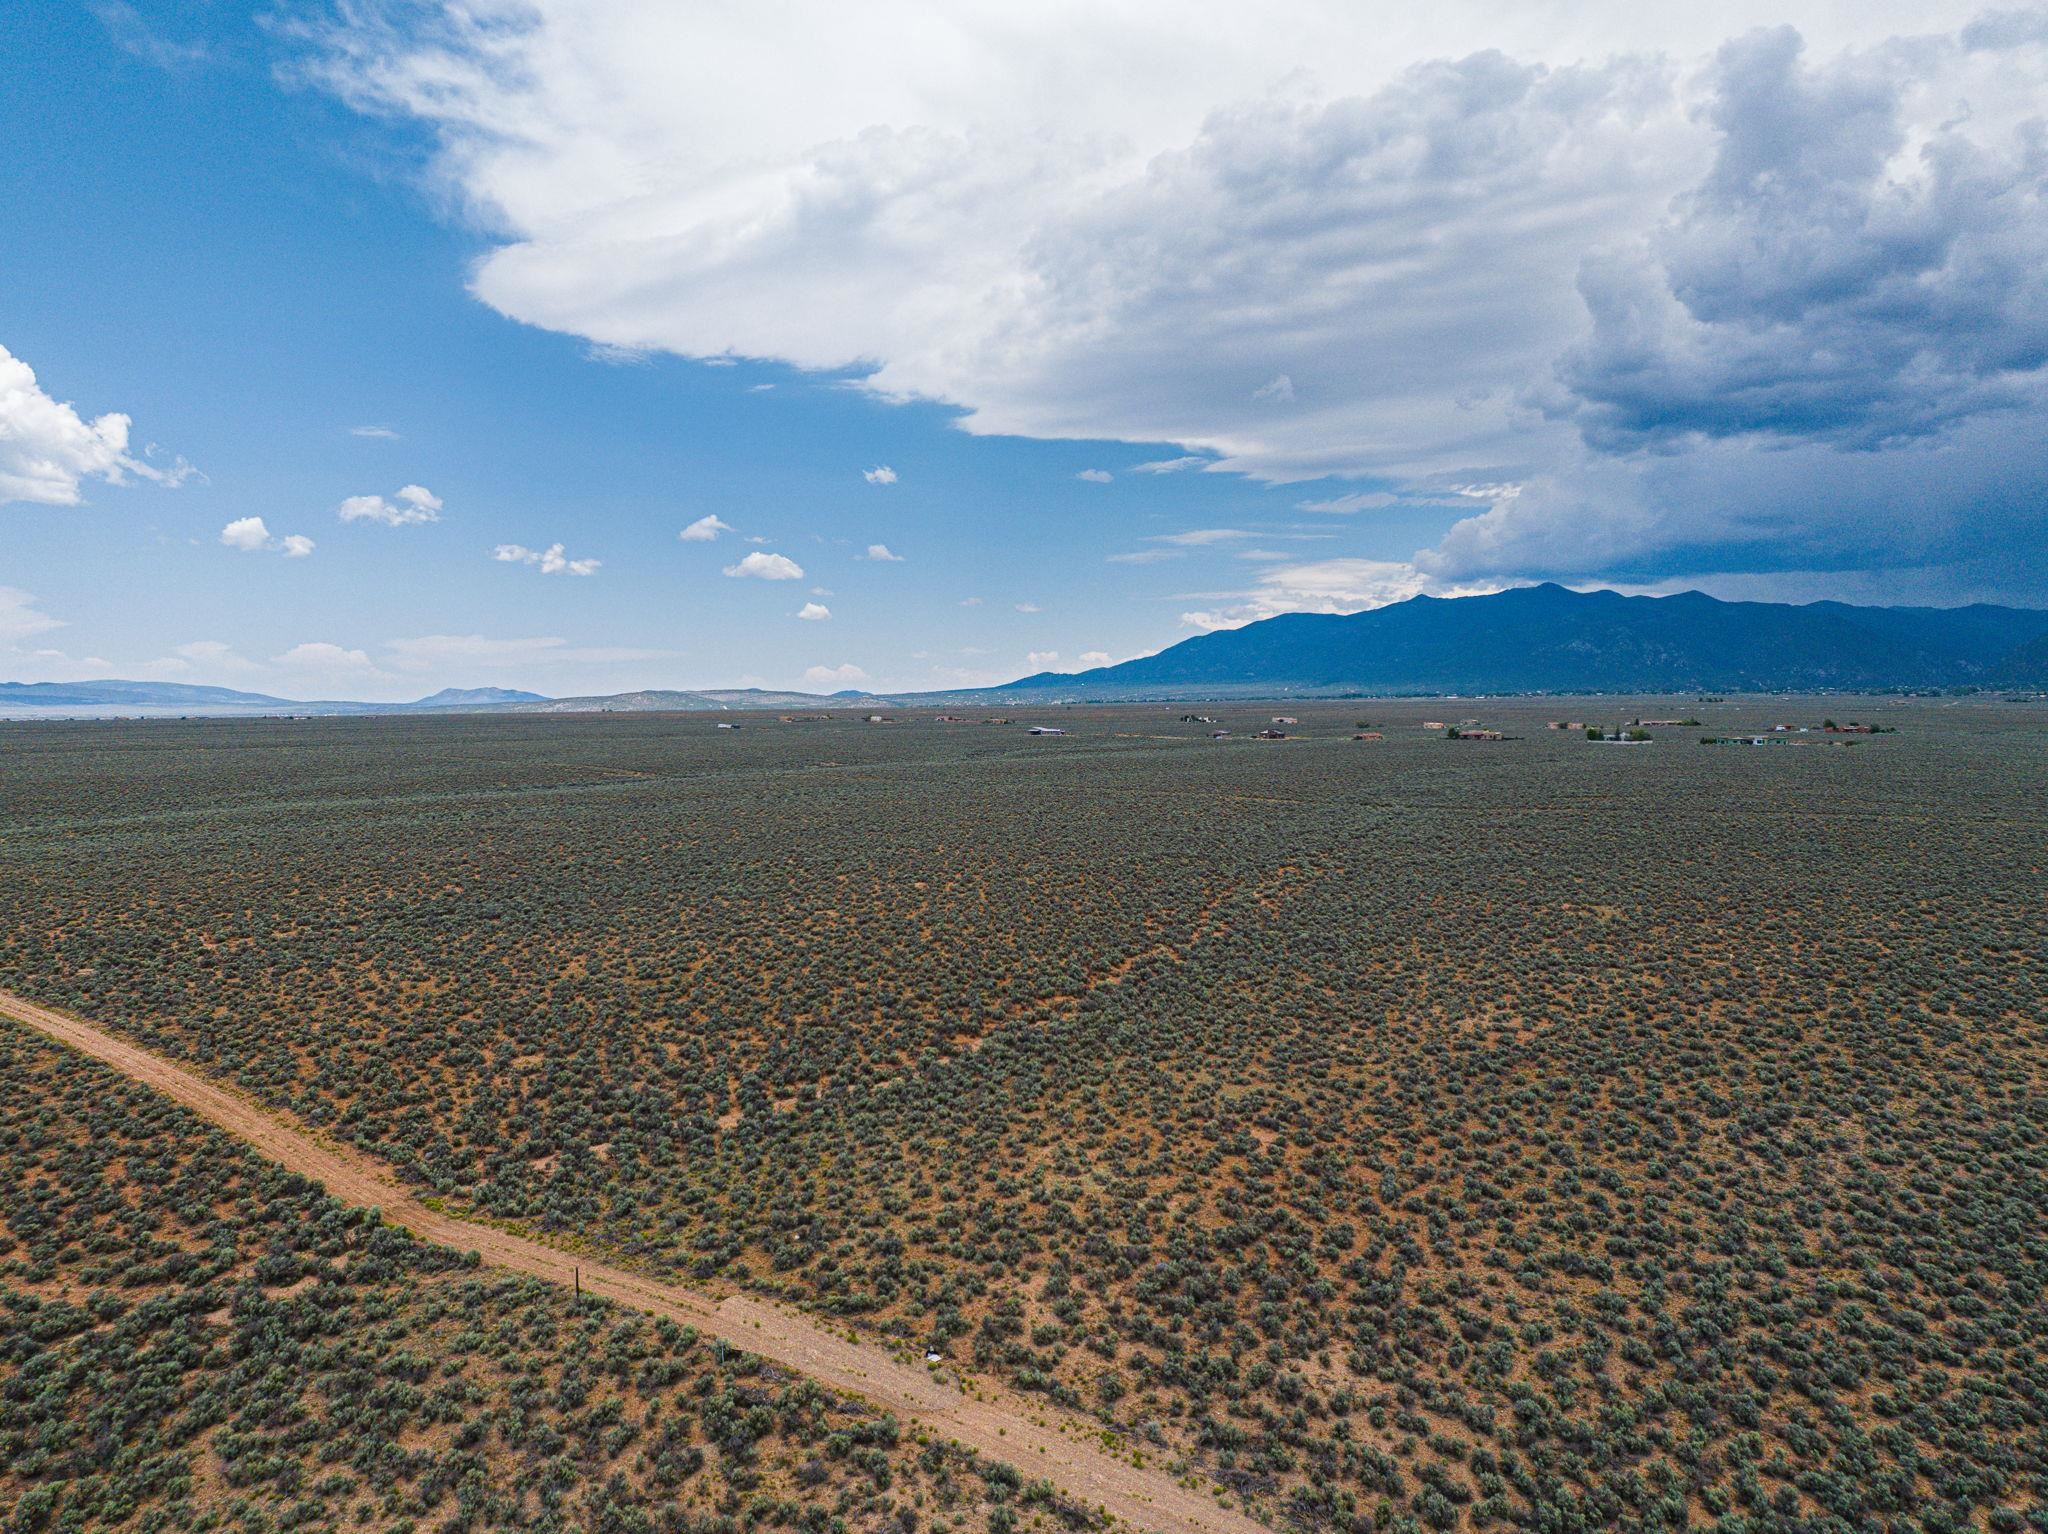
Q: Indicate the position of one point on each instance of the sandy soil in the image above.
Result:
(1039, 1440)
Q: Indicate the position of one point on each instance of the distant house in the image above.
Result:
(1434, 724)
(1272, 735)
(1369, 735)
(1047, 729)
(878, 719)
(1285, 719)
(728, 727)
(1219, 734)
(1464, 734)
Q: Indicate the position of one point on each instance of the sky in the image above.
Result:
(357, 350)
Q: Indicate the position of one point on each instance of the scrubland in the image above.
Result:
(1401, 1133)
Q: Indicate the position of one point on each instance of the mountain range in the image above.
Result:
(1532, 639)
(1550, 639)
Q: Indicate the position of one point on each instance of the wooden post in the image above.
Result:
(578, 1270)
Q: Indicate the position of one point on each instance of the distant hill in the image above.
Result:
(131, 694)
(128, 699)
(119, 697)
(1549, 639)
(477, 697)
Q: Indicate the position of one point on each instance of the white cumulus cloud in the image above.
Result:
(766, 567)
(321, 666)
(47, 449)
(319, 652)
(1096, 476)
(879, 552)
(704, 530)
(409, 506)
(201, 657)
(814, 612)
(552, 560)
(251, 536)
(246, 533)
(880, 474)
(846, 675)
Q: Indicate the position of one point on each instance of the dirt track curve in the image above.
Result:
(1003, 1428)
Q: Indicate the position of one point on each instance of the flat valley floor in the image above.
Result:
(1356, 1134)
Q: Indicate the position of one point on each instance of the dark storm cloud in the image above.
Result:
(1834, 278)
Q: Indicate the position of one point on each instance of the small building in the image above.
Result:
(1047, 729)
(1369, 735)
(1285, 719)
(1272, 735)
(1434, 724)
(1465, 734)
(1219, 734)
(728, 726)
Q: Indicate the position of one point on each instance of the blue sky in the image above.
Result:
(1647, 303)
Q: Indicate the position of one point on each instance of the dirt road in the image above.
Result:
(1002, 1427)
